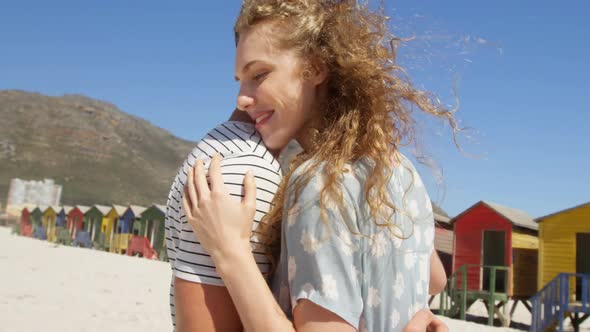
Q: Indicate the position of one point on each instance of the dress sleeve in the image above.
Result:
(323, 255)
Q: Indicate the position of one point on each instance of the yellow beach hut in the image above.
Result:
(563, 276)
(49, 221)
(564, 243)
(109, 225)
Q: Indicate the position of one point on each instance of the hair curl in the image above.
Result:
(367, 112)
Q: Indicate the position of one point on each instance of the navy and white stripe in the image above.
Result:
(242, 149)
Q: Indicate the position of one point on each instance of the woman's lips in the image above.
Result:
(263, 118)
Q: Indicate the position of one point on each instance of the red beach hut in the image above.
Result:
(26, 225)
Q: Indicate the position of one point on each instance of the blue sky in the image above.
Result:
(520, 68)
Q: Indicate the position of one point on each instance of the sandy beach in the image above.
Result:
(48, 287)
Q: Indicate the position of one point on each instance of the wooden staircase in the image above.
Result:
(567, 295)
(457, 296)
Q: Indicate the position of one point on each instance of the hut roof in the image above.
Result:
(120, 209)
(161, 207)
(55, 209)
(67, 209)
(518, 218)
(137, 210)
(441, 218)
(562, 211)
(102, 208)
(83, 208)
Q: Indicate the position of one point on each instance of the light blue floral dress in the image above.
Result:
(375, 281)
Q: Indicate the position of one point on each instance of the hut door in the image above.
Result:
(494, 254)
(582, 259)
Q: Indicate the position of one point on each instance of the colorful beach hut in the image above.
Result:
(39, 231)
(564, 243)
(26, 224)
(489, 234)
(49, 219)
(93, 219)
(63, 234)
(148, 233)
(75, 224)
(124, 228)
(109, 225)
(443, 241)
(495, 249)
(564, 269)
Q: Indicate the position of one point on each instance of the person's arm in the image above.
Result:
(438, 276)
(201, 307)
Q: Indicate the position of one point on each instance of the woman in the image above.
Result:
(351, 218)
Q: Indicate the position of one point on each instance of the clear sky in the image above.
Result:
(520, 68)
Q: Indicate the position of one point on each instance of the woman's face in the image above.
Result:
(272, 89)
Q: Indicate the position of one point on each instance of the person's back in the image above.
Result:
(374, 277)
(242, 149)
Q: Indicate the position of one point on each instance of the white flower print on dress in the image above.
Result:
(306, 292)
(398, 286)
(346, 244)
(410, 260)
(329, 287)
(310, 243)
(417, 234)
(292, 268)
(354, 273)
(394, 319)
(373, 298)
(413, 210)
(379, 245)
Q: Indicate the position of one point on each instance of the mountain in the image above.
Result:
(99, 154)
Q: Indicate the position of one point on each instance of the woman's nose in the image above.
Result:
(245, 101)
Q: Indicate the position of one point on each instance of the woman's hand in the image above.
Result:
(222, 225)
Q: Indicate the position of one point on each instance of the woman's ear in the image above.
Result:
(319, 71)
(316, 72)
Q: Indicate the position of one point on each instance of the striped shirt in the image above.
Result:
(242, 149)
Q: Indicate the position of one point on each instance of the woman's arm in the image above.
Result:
(438, 276)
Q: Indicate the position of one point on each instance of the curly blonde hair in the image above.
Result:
(367, 112)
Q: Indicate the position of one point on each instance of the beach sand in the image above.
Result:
(48, 287)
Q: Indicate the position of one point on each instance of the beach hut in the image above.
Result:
(563, 277)
(443, 241)
(63, 234)
(75, 225)
(49, 219)
(109, 225)
(495, 249)
(39, 231)
(124, 228)
(564, 243)
(26, 224)
(93, 219)
(148, 233)
(488, 234)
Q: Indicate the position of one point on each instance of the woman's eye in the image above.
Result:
(260, 76)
